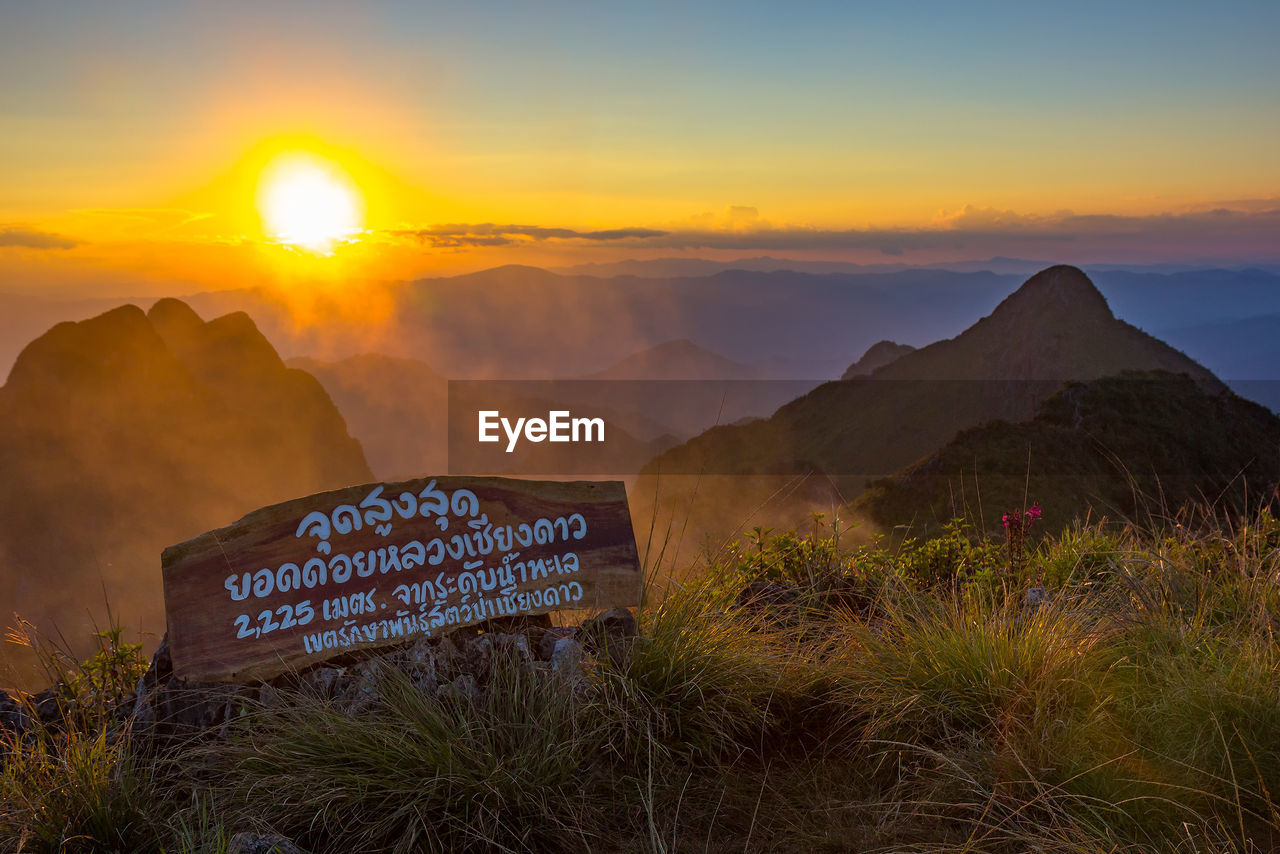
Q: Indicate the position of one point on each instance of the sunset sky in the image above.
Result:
(134, 137)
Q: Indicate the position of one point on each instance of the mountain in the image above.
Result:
(522, 322)
(880, 354)
(1120, 446)
(24, 316)
(130, 431)
(1055, 327)
(676, 360)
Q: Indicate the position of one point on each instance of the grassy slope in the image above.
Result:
(1111, 446)
(909, 700)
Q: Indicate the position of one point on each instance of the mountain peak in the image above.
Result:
(173, 317)
(90, 354)
(1056, 326)
(1056, 290)
(877, 356)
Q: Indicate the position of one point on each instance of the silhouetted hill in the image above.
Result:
(877, 356)
(1056, 327)
(1118, 446)
(128, 432)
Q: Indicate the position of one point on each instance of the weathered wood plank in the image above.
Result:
(370, 566)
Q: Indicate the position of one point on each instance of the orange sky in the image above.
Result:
(133, 144)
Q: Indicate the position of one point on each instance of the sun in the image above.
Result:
(308, 202)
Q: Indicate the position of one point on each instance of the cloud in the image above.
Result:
(1247, 225)
(488, 234)
(30, 238)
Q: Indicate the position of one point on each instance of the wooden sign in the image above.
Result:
(376, 565)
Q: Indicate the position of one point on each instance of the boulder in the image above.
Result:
(14, 715)
(457, 667)
(550, 638)
(611, 633)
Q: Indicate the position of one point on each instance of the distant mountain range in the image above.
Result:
(522, 322)
(132, 431)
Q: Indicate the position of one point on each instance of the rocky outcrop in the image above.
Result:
(461, 667)
(131, 431)
(877, 356)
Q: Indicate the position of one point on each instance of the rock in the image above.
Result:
(13, 715)
(362, 692)
(261, 843)
(547, 642)
(463, 689)
(270, 697)
(420, 666)
(522, 625)
(323, 682)
(199, 706)
(1034, 598)
(157, 673)
(161, 666)
(612, 632)
(478, 657)
(513, 647)
(144, 712)
(48, 706)
(166, 705)
(449, 660)
(566, 658)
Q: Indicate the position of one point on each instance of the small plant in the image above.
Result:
(956, 557)
(1016, 527)
(108, 676)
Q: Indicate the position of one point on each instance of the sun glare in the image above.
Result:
(308, 202)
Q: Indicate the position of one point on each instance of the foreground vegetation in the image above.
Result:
(1105, 689)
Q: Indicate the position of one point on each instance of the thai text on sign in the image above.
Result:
(375, 565)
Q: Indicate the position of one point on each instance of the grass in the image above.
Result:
(909, 697)
(76, 792)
